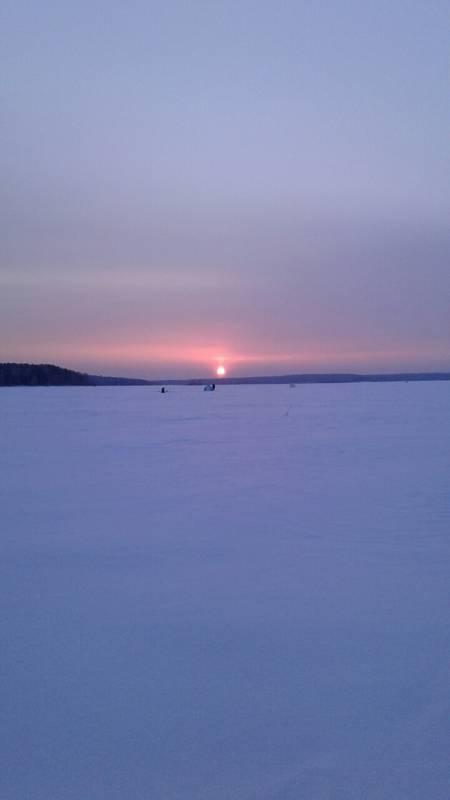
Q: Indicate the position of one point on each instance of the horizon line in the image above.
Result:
(289, 377)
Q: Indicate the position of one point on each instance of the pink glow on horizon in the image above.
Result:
(151, 360)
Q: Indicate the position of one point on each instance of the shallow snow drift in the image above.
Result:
(239, 595)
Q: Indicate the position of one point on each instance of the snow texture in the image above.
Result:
(240, 595)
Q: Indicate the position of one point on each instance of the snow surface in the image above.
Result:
(239, 595)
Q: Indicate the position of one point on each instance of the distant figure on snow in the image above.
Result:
(210, 387)
(163, 390)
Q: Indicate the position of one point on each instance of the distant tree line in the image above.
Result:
(50, 375)
(40, 375)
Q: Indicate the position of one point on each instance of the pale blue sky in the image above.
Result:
(263, 182)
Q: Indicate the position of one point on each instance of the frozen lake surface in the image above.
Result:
(239, 595)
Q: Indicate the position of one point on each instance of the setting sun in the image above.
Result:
(221, 371)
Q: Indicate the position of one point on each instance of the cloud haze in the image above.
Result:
(254, 182)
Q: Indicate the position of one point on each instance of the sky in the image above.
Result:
(262, 185)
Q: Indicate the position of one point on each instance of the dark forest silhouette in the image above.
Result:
(51, 375)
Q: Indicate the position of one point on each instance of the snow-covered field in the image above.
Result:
(239, 595)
